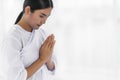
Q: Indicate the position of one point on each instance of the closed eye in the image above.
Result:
(41, 16)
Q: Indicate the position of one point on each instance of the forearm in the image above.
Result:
(34, 67)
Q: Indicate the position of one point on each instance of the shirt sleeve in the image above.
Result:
(55, 63)
(14, 70)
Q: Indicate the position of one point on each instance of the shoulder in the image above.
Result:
(12, 38)
(14, 32)
(43, 31)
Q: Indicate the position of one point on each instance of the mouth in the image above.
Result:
(38, 25)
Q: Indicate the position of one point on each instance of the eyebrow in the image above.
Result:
(44, 14)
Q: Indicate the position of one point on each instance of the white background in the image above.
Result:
(87, 36)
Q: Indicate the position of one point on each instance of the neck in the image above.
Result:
(24, 25)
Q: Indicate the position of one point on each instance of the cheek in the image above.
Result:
(34, 19)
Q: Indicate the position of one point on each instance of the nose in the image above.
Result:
(44, 21)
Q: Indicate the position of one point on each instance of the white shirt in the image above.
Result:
(19, 50)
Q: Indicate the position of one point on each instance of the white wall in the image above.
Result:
(87, 35)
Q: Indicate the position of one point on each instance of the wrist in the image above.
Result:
(42, 61)
(49, 61)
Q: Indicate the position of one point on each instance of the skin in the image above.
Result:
(30, 21)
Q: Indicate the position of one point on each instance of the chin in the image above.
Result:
(37, 27)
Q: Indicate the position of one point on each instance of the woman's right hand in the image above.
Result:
(47, 48)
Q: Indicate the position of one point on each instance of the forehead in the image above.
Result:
(46, 11)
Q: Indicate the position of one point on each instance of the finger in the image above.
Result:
(50, 42)
(47, 40)
(52, 45)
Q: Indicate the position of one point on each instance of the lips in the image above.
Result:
(38, 24)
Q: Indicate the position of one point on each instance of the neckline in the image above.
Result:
(23, 29)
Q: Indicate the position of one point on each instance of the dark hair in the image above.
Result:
(34, 5)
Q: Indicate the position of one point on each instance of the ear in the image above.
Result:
(27, 10)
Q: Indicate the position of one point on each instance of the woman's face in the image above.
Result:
(38, 17)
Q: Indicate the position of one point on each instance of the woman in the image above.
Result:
(26, 51)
